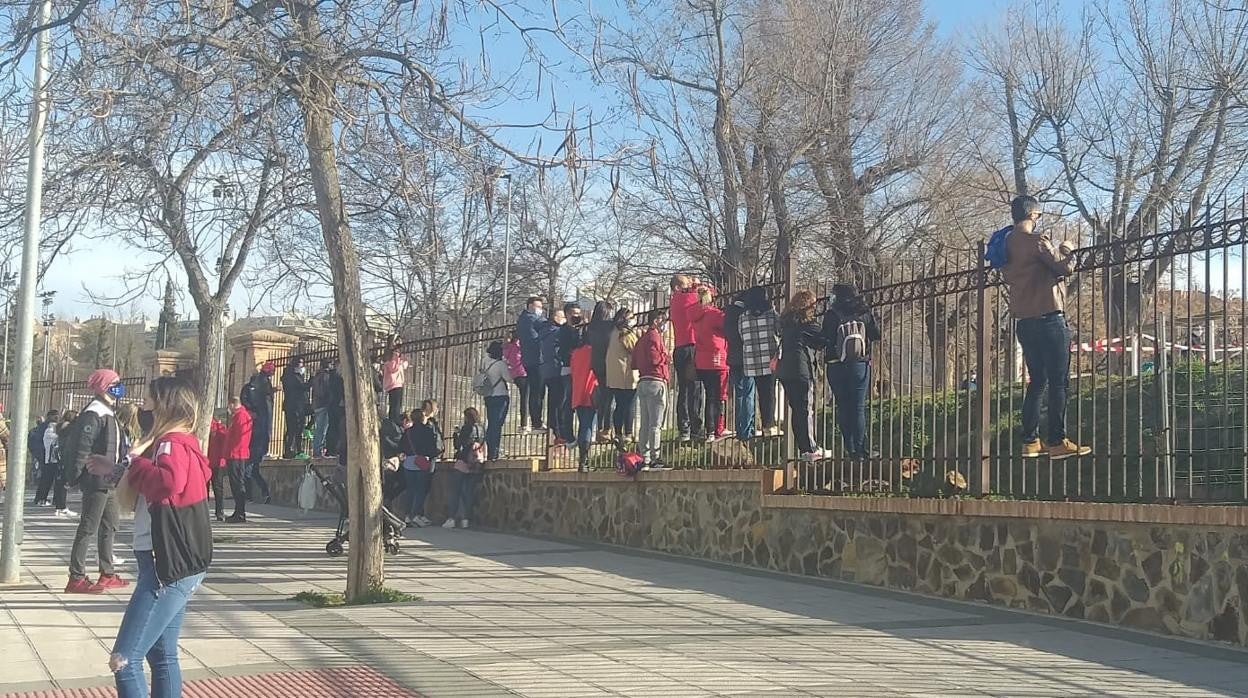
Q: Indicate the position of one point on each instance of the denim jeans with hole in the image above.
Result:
(150, 630)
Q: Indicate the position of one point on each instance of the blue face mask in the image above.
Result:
(118, 391)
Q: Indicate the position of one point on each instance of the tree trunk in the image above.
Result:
(208, 373)
(365, 562)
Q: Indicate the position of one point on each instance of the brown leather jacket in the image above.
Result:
(1034, 271)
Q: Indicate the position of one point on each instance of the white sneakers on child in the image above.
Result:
(450, 523)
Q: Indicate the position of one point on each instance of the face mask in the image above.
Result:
(539, 311)
(118, 391)
(301, 370)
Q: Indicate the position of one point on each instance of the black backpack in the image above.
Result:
(247, 395)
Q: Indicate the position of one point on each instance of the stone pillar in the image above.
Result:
(249, 351)
(168, 363)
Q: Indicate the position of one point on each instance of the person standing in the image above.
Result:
(295, 388)
(172, 540)
(688, 388)
(238, 440)
(514, 358)
(584, 387)
(654, 371)
(529, 327)
(571, 338)
(34, 447)
(260, 405)
(393, 377)
(4, 451)
(801, 340)
(497, 398)
(849, 328)
(466, 473)
(760, 347)
(1035, 274)
(52, 447)
(323, 402)
(218, 436)
(337, 414)
(711, 359)
(47, 471)
(621, 379)
(551, 375)
(739, 387)
(94, 432)
(421, 447)
(598, 336)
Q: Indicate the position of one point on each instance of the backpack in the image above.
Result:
(851, 338)
(481, 383)
(247, 395)
(996, 253)
(629, 463)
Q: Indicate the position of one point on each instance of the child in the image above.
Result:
(469, 455)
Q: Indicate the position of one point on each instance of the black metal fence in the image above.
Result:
(1158, 383)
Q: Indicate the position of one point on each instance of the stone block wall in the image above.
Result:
(1162, 569)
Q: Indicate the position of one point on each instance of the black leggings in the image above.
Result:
(51, 480)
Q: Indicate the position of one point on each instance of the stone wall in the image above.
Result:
(1154, 568)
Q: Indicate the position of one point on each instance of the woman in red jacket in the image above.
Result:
(172, 539)
(710, 356)
(584, 386)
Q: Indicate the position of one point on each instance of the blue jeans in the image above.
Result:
(1046, 351)
(417, 490)
(849, 382)
(743, 402)
(150, 629)
(320, 426)
(495, 414)
(463, 495)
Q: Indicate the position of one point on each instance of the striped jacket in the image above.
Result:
(760, 341)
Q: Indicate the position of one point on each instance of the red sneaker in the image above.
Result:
(110, 581)
(82, 585)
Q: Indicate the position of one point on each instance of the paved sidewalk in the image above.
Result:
(508, 615)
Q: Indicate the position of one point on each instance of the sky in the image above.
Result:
(101, 263)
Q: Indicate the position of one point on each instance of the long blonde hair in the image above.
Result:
(175, 406)
(128, 420)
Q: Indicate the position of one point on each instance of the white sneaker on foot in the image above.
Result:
(422, 522)
(66, 514)
(463, 524)
(450, 523)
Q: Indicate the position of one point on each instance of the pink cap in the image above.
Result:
(101, 378)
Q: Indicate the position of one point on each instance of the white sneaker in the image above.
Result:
(450, 523)
(816, 455)
(463, 524)
(422, 522)
(66, 514)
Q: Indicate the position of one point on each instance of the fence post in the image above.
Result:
(982, 474)
(788, 266)
(446, 371)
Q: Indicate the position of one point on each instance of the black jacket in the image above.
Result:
(93, 432)
(295, 388)
(423, 440)
(800, 344)
(732, 333)
(527, 327)
(260, 403)
(324, 390)
(838, 314)
(570, 339)
(465, 436)
(598, 336)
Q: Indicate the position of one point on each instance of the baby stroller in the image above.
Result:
(391, 525)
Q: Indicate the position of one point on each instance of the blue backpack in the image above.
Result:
(996, 253)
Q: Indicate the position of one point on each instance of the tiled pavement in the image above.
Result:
(509, 615)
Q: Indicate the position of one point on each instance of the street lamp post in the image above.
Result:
(14, 510)
(49, 321)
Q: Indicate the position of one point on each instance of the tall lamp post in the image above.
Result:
(507, 250)
(221, 192)
(11, 536)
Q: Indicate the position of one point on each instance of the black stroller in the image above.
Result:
(391, 525)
